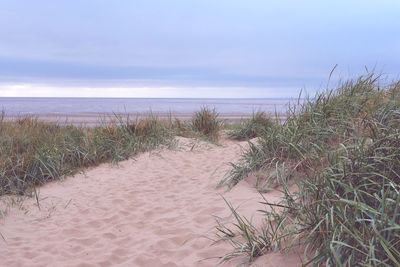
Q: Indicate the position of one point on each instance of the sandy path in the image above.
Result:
(154, 210)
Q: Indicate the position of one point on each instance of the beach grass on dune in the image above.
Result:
(206, 122)
(34, 152)
(341, 149)
(336, 159)
(251, 128)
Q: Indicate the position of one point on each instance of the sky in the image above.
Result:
(192, 48)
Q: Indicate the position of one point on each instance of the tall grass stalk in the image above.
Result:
(33, 152)
(251, 128)
(206, 123)
(344, 144)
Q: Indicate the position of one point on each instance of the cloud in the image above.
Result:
(189, 44)
(35, 90)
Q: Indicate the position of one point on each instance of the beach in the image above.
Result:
(199, 133)
(157, 209)
(151, 191)
(96, 111)
(99, 119)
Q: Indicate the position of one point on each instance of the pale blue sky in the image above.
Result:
(184, 48)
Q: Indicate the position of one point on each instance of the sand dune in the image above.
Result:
(157, 209)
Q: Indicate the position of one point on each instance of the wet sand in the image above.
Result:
(96, 119)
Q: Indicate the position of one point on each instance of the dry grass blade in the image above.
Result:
(33, 152)
(245, 238)
(206, 122)
(344, 144)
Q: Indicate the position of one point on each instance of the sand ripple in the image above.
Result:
(155, 210)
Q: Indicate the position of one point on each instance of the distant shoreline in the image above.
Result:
(90, 110)
(95, 119)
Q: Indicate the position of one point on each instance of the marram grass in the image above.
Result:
(344, 148)
(33, 152)
(206, 123)
(251, 128)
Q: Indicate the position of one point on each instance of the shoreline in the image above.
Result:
(96, 119)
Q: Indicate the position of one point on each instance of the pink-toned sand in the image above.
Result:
(157, 209)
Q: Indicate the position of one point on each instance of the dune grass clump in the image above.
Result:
(206, 123)
(349, 213)
(183, 128)
(247, 240)
(33, 152)
(312, 128)
(343, 147)
(252, 127)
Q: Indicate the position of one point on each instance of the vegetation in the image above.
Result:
(206, 123)
(342, 148)
(336, 159)
(252, 127)
(33, 152)
(250, 242)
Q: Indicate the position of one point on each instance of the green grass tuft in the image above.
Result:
(344, 147)
(251, 128)
(206, 123)
(33, 152)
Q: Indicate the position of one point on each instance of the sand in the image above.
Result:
(97, 119)
(158, 209)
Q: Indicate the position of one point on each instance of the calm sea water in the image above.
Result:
(41, 106)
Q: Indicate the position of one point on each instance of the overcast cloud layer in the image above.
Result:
(271, 47)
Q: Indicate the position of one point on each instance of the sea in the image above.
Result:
(21, 106)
